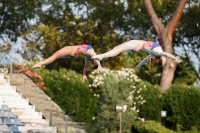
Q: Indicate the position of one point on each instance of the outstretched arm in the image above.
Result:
(144, 61)
(84, 77)
(165, 54)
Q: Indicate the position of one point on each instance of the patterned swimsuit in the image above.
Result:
(149, 44)
(84, 47)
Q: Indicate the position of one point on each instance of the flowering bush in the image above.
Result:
(34, 76)
(113, 87)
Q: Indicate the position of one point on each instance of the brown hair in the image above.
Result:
(157, 60)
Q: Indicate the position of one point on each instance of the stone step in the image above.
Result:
(42, 103)
(43, 122)
(34, 129)
(38, 117)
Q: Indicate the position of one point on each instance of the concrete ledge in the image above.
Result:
(37, 129)
(13, 107)
(39, 117)
(15, 99)
(43, 122)
(31, 113)
(18, 103)
(6, 86)
(23, 110)
(7, 93)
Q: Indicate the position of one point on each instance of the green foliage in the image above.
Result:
(151, 75)
(104, 24)
(187, 38)
(150, 127)
(152, 106)
(181, 103)
(66, 89)
(113, 88)
(72, 95)
(184, 74)
(16, 16)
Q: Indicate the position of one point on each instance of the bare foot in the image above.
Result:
(97, 57)
(36, 66)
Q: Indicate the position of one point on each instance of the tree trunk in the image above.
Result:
(165, 38)
(170, 66)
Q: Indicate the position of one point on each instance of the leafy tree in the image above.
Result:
(188, 36)
(71, 29)
(186, 74)
(16, 16)
(103, 24)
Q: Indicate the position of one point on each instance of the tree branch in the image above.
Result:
(153, 16)
(191, 65)
(176, 17)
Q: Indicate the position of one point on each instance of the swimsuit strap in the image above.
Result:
(87, 56)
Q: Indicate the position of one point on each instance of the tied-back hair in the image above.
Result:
(157, 60)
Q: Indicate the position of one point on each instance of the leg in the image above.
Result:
(131, 45)
(68, 50)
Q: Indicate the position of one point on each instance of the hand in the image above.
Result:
(178, 60)
(84, 77)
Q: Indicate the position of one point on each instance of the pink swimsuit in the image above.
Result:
(149, 44)
(85, 48)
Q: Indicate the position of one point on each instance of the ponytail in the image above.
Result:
(157, 60)
(150, 64)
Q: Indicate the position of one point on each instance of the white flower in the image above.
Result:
(133, 108)
(142, 119)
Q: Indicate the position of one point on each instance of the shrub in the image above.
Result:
(152, 95)
(182, 105)
(72, 95)
(64, 88)
(115, 87)
(34, 76)
(123, 87)
(150, 127)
